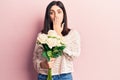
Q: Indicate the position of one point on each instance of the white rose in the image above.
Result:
(42, 38)
(62, 40)
(52, 33)
(52, 42)
(59, 43)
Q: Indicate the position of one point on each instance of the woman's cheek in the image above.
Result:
(52, 18)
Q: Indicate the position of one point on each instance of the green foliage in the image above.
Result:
(52, 53)
(46, 47)
(45, 55)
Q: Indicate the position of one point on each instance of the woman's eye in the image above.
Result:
(51, 13)
(59, 11)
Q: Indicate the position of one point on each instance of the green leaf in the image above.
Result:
(45, 55)
(46, 47)
(49, 53)
(52, 53)
(57, 54)
(61, 47)
(55, 51)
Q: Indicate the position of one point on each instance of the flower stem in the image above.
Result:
(49, 77)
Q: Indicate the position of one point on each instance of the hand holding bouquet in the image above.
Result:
(53, 46)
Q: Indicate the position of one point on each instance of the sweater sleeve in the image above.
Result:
(72, 45)
(37, 57)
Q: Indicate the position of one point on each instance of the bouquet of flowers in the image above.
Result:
(53, 46)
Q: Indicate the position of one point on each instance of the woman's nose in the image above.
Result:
(56, 14)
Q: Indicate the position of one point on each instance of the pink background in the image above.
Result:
(98, 22)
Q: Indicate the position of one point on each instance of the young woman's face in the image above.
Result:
(56, 14)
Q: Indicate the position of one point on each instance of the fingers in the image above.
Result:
(57, 25)
(52, 59)
(51, 62)
(56, 20)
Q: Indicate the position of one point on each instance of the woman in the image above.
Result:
(62, 67)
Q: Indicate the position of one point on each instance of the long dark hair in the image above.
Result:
(48, 25)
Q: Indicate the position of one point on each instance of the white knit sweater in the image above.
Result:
(64, 63)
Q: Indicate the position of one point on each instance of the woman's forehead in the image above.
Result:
(55, 7)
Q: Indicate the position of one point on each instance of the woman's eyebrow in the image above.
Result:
(51, 10)
(58, 9)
